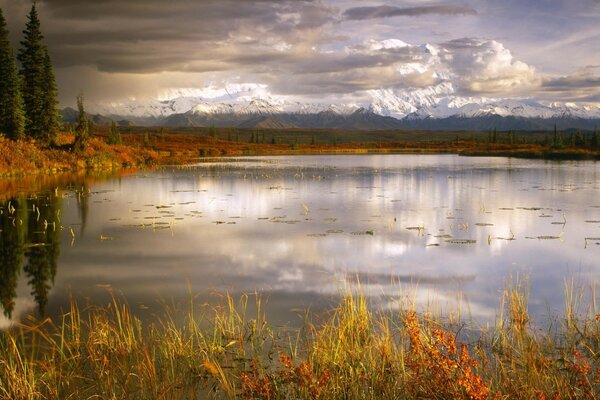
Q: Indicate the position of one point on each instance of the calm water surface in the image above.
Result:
(436, 228)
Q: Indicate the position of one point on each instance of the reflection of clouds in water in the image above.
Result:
(445, 195)
(24, 305)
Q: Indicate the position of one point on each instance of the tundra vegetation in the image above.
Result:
(350, 352)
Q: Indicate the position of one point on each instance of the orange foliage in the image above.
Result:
(289, 381)
(436, 365)
(24, 157)
(256, 385)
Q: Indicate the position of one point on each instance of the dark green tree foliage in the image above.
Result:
(12, 241)
(35, 240)
(91, 127)
(558, 139)
(11, 102)
(42, 254)
(38, 84)
(50, 114)
(114, 136)
(81, 129)
(595, 139)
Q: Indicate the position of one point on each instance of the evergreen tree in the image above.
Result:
(545, 141)
(38, 84)
(11, 102)
(50, 114)
(114, 136)
(91, 127)
(82, 127)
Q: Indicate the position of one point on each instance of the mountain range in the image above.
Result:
(435, 108)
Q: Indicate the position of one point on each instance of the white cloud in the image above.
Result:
(486, 66)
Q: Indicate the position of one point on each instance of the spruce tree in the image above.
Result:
(114, 136)
(50, 114)
(82, 128)
(11, 102)
(38, 84)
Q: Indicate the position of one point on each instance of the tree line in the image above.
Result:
(28, 91)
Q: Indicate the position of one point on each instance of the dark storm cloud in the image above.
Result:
(153, 36)
(136, 48)
(362, 13)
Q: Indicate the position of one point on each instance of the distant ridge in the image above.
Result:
(436, 108)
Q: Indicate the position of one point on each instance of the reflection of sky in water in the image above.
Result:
(293, 226)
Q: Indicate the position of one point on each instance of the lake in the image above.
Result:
(440, 230)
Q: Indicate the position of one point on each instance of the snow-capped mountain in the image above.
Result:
(440, 102)
(385, 108)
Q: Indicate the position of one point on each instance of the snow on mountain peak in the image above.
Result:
(437, 101)
(229, 91)
(387, 44)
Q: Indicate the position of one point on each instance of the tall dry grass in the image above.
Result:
(353, 352)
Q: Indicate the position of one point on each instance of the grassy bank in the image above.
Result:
(351, 352)
(26, 158)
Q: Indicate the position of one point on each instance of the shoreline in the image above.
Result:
(24, 158)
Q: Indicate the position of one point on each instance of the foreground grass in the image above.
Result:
(353, 353)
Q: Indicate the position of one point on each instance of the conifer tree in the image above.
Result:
(11, 102)
(50, 114)
(82, 128)
(38, 84)
(114, 136)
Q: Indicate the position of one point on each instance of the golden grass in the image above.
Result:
(354, 353)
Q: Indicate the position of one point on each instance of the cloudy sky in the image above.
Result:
(337, 50)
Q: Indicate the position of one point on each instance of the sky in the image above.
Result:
(320, 50)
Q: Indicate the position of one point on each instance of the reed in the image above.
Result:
(353, 351)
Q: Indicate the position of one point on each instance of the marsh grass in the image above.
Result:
(350, 352)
